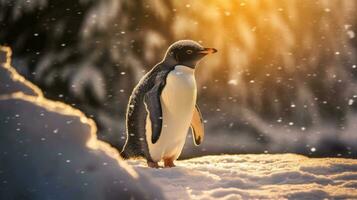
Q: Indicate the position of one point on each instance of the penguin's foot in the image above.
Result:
(169, 162)
(153, 164)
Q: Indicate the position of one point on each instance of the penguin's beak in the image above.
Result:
(206, 51)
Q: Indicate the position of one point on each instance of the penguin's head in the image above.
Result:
(187, 52)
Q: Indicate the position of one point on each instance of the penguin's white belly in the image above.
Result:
(178, 100)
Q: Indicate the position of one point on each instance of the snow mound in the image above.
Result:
(49, 150)
(260, 176)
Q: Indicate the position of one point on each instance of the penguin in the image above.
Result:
(162, 107)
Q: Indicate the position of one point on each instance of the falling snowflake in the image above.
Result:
(233, 82)
(350, 102)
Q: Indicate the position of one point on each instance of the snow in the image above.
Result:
(43, 157)
(256, 176)
(49, 150)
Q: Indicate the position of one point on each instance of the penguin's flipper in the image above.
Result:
(153, 106)
(197, 126)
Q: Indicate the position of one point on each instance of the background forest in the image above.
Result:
(284, 79)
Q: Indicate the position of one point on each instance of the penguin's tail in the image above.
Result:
(124, 154)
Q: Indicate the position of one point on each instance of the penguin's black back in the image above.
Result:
(136, 144)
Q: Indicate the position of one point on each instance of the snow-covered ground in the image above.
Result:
(260, 176)
(49, 150)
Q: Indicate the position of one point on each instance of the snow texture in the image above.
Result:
(257, 176)
(49, 150)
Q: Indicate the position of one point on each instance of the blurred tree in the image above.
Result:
(281, 63)
(276, 56)
(87, 53)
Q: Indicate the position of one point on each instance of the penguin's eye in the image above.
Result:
(189, 51)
